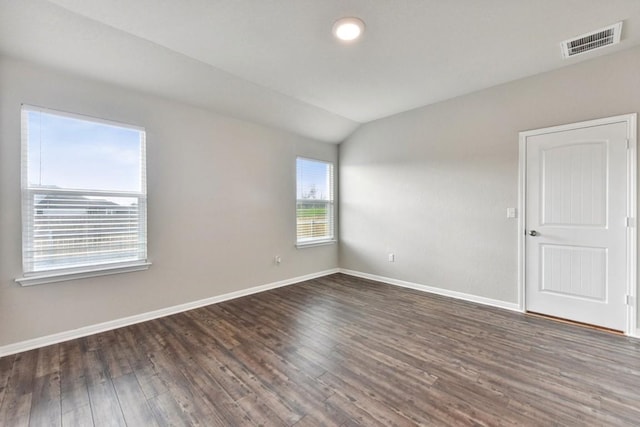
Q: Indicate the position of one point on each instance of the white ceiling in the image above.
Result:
(275, 61)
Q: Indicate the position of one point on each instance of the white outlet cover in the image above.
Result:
(511, 212)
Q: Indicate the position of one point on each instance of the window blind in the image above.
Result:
(315, 217)
(84, 192)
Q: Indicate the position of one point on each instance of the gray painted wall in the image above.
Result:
(221, 204)
(433, 184)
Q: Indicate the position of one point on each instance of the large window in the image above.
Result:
(83, 194)
(314, 207)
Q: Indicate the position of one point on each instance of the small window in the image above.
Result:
(83, 193)
(314, 207)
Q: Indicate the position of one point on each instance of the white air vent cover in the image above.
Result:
(594, 40)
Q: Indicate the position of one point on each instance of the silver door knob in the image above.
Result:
(533, 233)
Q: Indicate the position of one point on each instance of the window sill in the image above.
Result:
(316, 243)
(80, 273)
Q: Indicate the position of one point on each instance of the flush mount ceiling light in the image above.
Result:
(348, 29)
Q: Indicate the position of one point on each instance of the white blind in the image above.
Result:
(315, 218)
(83, 192)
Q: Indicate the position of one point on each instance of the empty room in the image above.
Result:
(319, 213)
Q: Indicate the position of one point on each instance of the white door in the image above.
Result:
(576, 224)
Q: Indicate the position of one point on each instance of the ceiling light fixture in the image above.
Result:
(348, 29)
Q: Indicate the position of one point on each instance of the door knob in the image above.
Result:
(533, 233)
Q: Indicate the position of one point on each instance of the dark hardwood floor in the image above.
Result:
(331, 351)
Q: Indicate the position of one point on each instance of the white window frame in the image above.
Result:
(325, 240)
(31, 277)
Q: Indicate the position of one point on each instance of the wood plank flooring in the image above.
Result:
(335, 351)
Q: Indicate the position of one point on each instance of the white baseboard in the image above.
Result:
(439, 291)
(453, 294)
(138, 318)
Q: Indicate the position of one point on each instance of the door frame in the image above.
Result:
(631, 239)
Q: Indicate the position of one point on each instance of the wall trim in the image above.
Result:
(434, 290)
(143, 317)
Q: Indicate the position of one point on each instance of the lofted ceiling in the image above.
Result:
(276, 62)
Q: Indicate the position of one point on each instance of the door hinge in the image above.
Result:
(628, 221)
(628, 144)
(629, 300)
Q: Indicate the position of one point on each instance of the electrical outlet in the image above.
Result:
(512, 213)
(277, 259)
(392, 257)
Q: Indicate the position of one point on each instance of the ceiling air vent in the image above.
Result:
(594, 40)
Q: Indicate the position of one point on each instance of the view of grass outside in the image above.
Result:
(314, 217)
(312, 212)
(313, 220)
